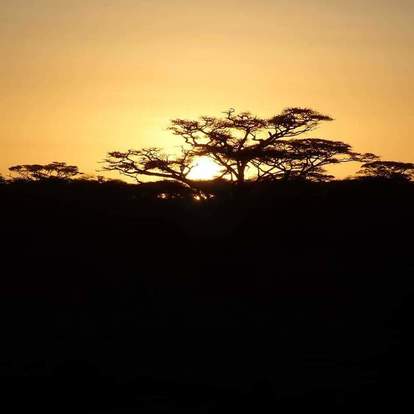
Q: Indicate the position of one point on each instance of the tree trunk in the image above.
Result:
(240, 172)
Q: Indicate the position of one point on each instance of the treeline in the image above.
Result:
(244, 147)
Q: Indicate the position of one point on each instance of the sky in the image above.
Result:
(79, 78)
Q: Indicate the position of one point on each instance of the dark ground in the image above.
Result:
(286, 296)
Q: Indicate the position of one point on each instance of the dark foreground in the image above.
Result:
(293, 296)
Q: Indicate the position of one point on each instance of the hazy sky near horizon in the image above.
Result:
(79, 78)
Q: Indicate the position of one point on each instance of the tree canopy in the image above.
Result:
(388, 170)
(54, 170)
(303, 159)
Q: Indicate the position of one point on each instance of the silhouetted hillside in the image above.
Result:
(274, 295)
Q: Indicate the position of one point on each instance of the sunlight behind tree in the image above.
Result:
(204, 169)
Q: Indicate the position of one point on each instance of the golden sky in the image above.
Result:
(79, 78)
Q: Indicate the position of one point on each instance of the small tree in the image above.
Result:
(388, 170)
(54, 170)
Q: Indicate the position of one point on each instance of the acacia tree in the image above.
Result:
(236, 140)
(388, 170)
(242, 144)
(54, 170)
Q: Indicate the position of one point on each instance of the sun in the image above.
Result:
(204, 168)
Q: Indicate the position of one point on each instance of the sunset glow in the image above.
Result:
(84, 77)
(206, 204)
(204, 169)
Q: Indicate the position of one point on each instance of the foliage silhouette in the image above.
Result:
(150, 162)
(54, 170)
(304, 159)
(391, 170)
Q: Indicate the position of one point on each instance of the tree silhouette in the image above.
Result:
(247, 147)
(237, 140)
(388, 170)
(54, 170)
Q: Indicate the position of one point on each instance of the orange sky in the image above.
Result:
(79, 78)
